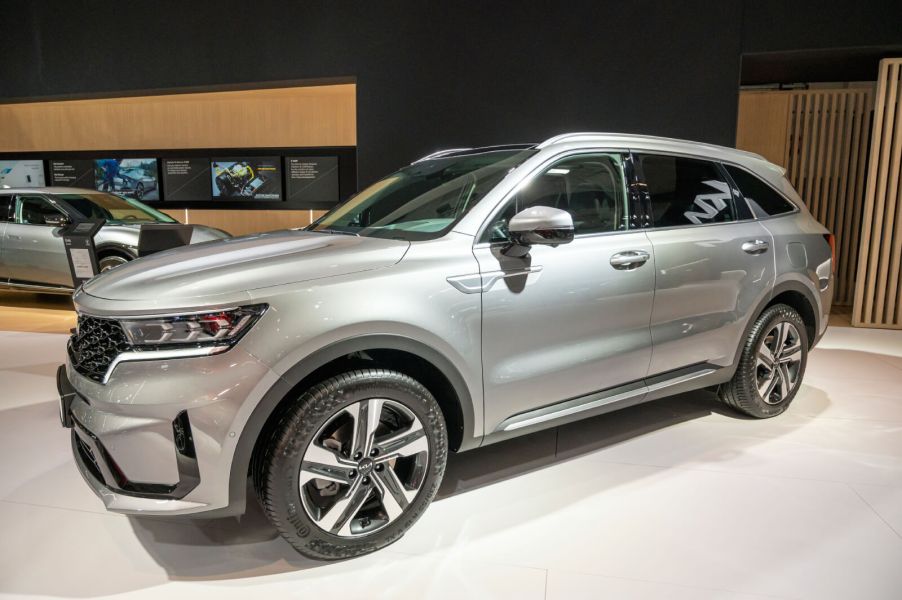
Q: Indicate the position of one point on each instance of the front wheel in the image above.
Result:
(771, 365)
(353, 464)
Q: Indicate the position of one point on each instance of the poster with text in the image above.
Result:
(72, 173)
(186, 179)
(21, 173)
(312, 181)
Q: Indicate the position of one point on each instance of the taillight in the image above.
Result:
(831, 239)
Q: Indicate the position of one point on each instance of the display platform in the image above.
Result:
(674, 499)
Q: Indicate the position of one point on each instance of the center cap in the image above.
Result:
(365, 466)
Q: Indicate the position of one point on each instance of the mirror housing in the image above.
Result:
(540, 225)
(56, 220)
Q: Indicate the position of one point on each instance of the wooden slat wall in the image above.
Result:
(878, 294)
(297, 116)
(821, 137)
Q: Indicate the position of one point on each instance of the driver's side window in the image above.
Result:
(588, 186)
(36, 210)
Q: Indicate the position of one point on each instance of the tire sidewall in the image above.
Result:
(775, 314)
(283, 502)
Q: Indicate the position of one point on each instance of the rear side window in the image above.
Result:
(5, 208)
(686, 191)
(764, 200)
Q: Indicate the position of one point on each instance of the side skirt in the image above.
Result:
(598, 403)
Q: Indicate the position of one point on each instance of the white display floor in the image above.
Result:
(676, 499)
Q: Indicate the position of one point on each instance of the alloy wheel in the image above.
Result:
(778, 362)
(364, 467)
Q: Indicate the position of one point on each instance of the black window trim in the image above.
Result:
(629, 174)
(10, 200)
(795, 207)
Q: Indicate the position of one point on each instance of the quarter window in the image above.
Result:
(590, 187)
(686, 191)
(763, 199)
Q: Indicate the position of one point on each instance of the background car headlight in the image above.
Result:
(210, 328)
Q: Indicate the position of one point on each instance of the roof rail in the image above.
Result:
(439, 154)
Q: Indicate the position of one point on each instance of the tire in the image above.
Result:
(139, 191)
(319, 434)
(779, 332)
(111, 261)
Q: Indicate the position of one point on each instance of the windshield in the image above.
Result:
(423, 201)
(115, 209)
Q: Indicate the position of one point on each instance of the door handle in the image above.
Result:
(629, 259)
(755, 247)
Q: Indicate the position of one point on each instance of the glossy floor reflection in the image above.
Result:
(676, 499)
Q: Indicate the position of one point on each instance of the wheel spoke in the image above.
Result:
(395, 498)
(786, 380)
(793, 353)
(766, 356)
(770, 383)
(366, 421)
(782, 332)
(338, 518)
(410, 442)
(322, 463)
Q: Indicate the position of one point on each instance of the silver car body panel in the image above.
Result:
(531, 342)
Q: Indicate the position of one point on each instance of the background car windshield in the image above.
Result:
(114, 209)
(423, 201)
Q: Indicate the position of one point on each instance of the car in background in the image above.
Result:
(32, 254)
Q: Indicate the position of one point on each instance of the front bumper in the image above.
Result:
(160, 436)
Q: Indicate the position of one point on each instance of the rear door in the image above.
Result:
(34, 247)
(713, 261)
(564, 321)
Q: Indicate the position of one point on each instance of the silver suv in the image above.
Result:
(475, 295)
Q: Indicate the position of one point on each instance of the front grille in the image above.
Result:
(95, 345)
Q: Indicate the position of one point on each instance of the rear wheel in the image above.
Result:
(353, 464)
(771, 366)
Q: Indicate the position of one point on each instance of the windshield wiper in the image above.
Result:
(338, 231)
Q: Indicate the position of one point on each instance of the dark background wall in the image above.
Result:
(433, 75)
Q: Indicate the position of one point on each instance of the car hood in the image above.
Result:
(200, 233)
(233, 266)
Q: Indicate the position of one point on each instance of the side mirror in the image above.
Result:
(541, 225)
(56, 220)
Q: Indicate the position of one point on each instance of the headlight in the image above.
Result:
(221, 327)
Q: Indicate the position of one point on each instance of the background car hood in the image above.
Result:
(236, 265)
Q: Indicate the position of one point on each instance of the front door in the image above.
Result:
(564, 322)
(34, 249)
(713, 263)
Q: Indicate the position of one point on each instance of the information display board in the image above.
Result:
(21, 173)
(133, 177)
(72, 172)
(187, 179)
(247, 178)
(78, 239)
(312, 181)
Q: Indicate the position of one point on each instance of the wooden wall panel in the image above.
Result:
(820, 136)
(279, 117)
(878, 293)
(294, 116)
(762, 124)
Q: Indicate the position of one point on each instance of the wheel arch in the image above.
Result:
(794, 294)
(406, 355)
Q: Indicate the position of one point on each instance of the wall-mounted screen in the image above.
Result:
(132, 177)
(72, 173)
(186, 179)
(312, 181)
(247, 178)
(21, 173)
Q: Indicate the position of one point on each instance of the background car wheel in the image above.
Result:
(111, 261)
(139, 191)
(771, 366)
(353, 464)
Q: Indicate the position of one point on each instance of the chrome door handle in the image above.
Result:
(755, 247)
(629, 259)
